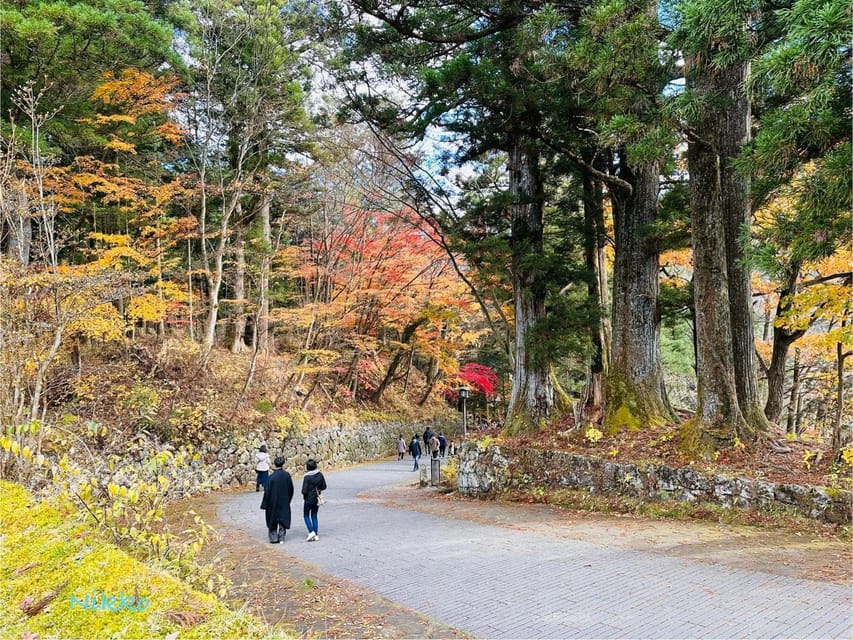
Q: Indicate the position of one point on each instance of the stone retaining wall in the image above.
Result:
(222, 461)
(490, 470)
(231, 461)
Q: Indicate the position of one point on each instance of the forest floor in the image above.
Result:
(804, 461)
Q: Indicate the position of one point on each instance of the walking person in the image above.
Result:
(313, 484)
(433, 446)
(442, 445)
(276, 502)
(262, 468)
(401, 447)
(415, 450)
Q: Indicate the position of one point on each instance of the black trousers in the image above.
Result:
(277, 533)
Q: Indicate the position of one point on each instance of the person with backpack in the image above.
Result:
(415, 450)
(313, 484)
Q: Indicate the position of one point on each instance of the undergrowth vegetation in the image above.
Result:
(63, 578)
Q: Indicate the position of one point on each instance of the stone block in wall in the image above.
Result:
(629, 481)
(790, 494)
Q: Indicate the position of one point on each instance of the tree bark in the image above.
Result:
(593, 208)
(408, 334)
(636, 396)
(782, 340)
(732, 131)
(19, 224)
(794, 400)
(215, 278)
(721, 376)
(263, 324)
(840, 357)
(238, 318)
(533, 398)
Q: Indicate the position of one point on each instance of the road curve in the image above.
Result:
(492, 581)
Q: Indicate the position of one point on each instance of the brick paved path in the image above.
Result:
(493, 581)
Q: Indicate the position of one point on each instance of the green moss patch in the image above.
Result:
(63, 579)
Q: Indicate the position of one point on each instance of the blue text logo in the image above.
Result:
(100, 601)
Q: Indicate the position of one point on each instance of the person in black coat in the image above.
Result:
(415, 450)
(312, 484)
(276, 502)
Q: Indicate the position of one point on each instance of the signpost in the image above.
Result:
(463, 395)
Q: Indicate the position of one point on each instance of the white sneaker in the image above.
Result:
(316, 537)
(311, 536)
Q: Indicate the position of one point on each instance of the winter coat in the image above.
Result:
(433, 444)
(262, 461)
(311, 484)
(277, 499)
(415, 448)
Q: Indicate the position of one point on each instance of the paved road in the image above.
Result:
(494, 581)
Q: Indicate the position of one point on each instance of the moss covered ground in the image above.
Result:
(63, 579)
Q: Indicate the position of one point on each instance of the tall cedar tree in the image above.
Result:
(475, 71)
(619, 63)
(716, 41)
(801, 152)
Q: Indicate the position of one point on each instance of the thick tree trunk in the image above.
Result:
(732, 131)
(718, 414)
(636, 396)
(533, 398)
(724, 377)
(593, 209)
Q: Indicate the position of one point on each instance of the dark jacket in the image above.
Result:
(427, 435)
(277, 499)
(415, 448)
(311, 484)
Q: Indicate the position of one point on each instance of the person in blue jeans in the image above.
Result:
(262, 468)
(312, 484)
(415, 450)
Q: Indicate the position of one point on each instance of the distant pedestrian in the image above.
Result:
(442, 445)
(451, 448)
(277, 500)
(426, 439)
(313, 484)
(415, 450)
(401, 447)
(433, 446)
(262, 468)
